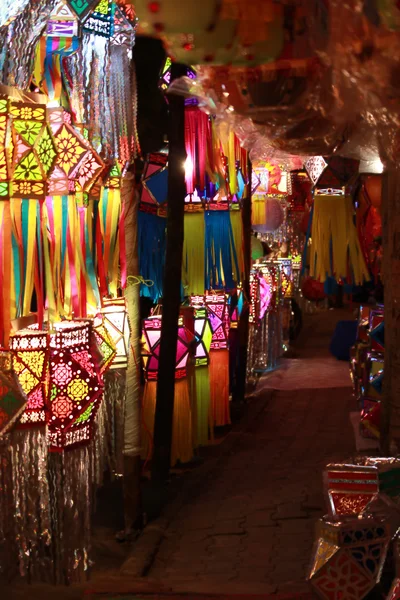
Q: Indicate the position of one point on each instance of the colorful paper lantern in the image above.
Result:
(203, 337)
(101, 19)
(30, 355)
(273, 216)
(12, 397)
(104, 343)
(116, 322)
(75, 385)
(349, 488)
(286, 273)
(151, 339)
(348, 557)
(218, 313)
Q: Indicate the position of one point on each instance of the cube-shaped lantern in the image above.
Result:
(30, 354)
(76, 386)
(12, 397)
(349, 488)
(151, 348)
(203, 337)
(116, 322)
(348, 557)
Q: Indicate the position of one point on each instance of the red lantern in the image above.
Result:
(313, 290)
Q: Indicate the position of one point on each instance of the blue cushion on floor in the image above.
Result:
(343, 339)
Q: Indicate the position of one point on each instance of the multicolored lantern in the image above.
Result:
(30, 355)
(154, 182)
(104, 343)
(218, 313)
(151, 348)
(116, 322)
(203, 337)
(349, 488)
(12, 398)
(348, 557)
(76, 386)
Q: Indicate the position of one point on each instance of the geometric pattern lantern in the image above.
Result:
(116, 322)
(218, 313)
(349, 557)
(151, 348)
(29, 352)
(12, 397)
(349, 488)
(76, 387)
(203, 333)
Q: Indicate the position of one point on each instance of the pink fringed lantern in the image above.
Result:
(151, 348)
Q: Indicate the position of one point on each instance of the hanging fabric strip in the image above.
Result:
(2, 250)
(220, 257)
(237, 246)
(7, 272)
(151, 249)
(48, 64)
(193, 254)
(18, 251)
(49, 264)
(29, 253)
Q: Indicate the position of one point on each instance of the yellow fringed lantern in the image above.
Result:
(115, 320)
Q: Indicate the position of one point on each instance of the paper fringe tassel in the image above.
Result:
(219, 383)
(205, 430)
(335, 249)
(193, 254)
(182, 447)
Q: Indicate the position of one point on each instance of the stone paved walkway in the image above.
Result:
(249, 527)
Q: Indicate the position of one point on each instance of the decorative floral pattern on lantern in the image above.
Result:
(203, 336)
(151, 339)
(218, 313)
(348, 557)
(116, 322)
(29, 353)
(349, 488)
(12, 397)
(76, 387)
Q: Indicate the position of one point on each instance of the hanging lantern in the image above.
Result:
(273, 216)
(286, 272)
(151, 339)
(29, 354)
(154, 182)
(238, 309)
(203, 337)
(12, 397)
(313, 290)
(75, 385)
(104, 343)
(218, 313)
(116, 322)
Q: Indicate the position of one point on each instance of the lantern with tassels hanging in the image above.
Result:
(151, 348)
(116, 322)
(30, 355)
(203, 337)
(218, 313)
(76, 386)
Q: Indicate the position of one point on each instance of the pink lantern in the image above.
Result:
(151, 348)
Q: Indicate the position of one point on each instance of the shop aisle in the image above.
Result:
(248, 527)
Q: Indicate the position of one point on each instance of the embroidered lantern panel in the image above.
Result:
(76, 386)
(151, 340)
(348, 557)
(349, 488)
(29, 352)
(12, 398)
(203, 337)
(116, 322)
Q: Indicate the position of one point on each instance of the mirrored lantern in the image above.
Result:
(12, 397)
(348, 557)
(75, 387)
(116, 322)
(29, 355)
(203, 337)
(151, 348)
(349, 488)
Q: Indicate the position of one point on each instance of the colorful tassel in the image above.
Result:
(219, 383)
(193, 254)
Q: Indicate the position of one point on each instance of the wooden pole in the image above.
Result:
(243, 327)
(172, 285)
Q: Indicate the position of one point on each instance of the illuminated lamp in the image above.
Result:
(29, 356)
(286, 277)
(349, 488)
(237, 311)
(151, 348)
(116, 322)
(348, 557)
(203, 337)
(12, 398)
(75, 388)
(104, 343)
(218, 313)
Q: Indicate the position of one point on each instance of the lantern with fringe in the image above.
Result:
(29, 352)
(218, 313)
(116, 322)
(151, 348)
(203, 337)
(76, 386)
(12, 396)
(104, 344)
(286, 277)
